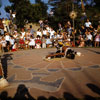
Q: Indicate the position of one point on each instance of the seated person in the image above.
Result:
(38, 42)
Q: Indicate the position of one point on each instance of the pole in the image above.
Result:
(82, 5)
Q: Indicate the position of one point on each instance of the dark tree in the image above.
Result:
(27, 12)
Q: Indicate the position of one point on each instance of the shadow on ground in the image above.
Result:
(22, 93)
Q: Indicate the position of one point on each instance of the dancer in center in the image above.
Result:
(63, 51)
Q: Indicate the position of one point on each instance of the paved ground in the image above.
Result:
(78, 78)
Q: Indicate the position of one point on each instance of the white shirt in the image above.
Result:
(89, 36)
(32, 42)
(23, 34)
(12, 41)
(3, 42)
(39, 33)
(44, 32)
(7, 38)
(52, 33)
(87, 24)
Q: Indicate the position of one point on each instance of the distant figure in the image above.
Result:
(32, 31)
(87, 23)
(1, 28)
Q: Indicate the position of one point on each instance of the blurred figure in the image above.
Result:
(1, 28)
(22, 93)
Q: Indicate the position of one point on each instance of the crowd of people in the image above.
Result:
(46, 36)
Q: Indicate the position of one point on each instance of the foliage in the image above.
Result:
(0, 3)
(62, 8)
(27, 12)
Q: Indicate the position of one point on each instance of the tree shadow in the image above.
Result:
(69, 96)
(94, 88)
(22, 93)
(4, 60)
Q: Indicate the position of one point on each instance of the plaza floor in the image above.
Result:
(78, 78)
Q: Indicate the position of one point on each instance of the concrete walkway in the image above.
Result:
(79, 77)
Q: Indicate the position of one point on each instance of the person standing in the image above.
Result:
(1, 27)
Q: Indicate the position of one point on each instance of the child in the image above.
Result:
(3, 44)
(48, 42)
(22, 43)
(32, 43)
(97, 40)
(43, 42)
(38, 42)
(14, 47)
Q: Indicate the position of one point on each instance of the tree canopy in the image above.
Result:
(84, 8)
(27, 12)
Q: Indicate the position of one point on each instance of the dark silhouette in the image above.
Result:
(22, 93)
(42, 98)
(94, 88)
(4, 60)
(87, 97)
(69, 96)
(4, 96)
(52, 98)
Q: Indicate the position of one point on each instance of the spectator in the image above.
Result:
(12, 41)
(1, 28)
(32, 31)
(82, 31)
(45, 32)
(23, 33)
(3, 43)
(28, 34)
(7, 38)
(97, 40)
(4, 24)
(82, 43)
(39, 33)
(38, 42)
(26, 43)
(60, 27)
(87, 23)
(14, 47)
(32, 43)
(89, 39)
(21, 43)
(7, 22)
(52, 33)
(48, 42)
(44, 41)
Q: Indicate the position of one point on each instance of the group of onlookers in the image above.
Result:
(46, 36)
(89, 35)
